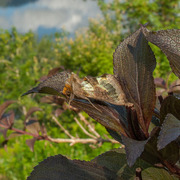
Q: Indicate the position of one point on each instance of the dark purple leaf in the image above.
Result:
(104, 114)
(59, 167)
(53, 85)
(169, 42)
(114, 134)
(134, 63)
(115, 160)
(170, 131)
(30, 143)
(133, 149)
(4, 106)
(170, 153)
(171, 104)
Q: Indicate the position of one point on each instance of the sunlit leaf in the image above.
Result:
(153, 173)
(134, 63)
(59, 167)
(170, 131)
(169, 42)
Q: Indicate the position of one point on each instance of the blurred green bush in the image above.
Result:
(24, 59)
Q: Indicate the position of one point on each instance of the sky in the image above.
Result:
(49, 15)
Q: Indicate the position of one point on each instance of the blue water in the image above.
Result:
(45, 17)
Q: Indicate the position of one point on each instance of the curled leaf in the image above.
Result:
(102, 113)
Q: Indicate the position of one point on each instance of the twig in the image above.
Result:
(83, 129)
(59, 140)
(65, 131)
(138, 174)
(78, 140)
(91, 128)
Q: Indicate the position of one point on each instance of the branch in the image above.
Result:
(79, 140)
(83, 129)
(91, 128)
(72, 141)
(65, 131)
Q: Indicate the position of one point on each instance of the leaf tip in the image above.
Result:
(34, 90)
